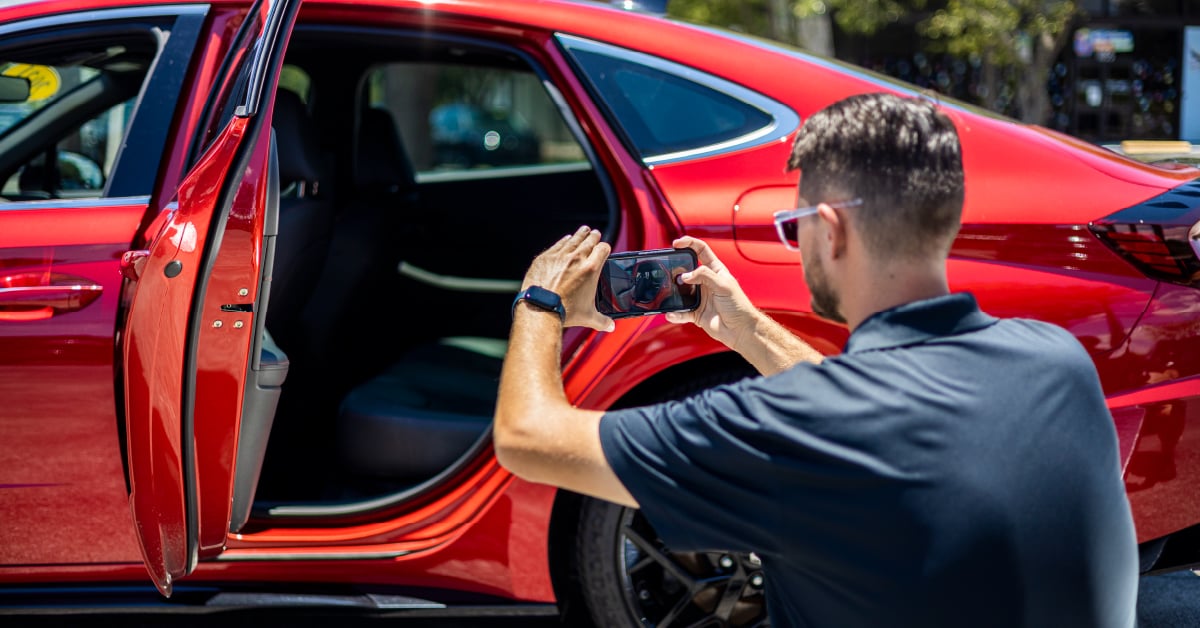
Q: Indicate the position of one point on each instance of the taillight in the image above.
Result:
(1160, 236)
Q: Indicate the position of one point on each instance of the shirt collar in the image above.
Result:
(917, 322)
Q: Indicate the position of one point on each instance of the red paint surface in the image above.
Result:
(62, 488)
(1024, 251)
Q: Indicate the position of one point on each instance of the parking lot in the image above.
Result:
(1164, 601)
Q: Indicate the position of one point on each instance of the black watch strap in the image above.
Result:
(542, 298)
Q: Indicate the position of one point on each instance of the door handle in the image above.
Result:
(133, 263)
(36, 296)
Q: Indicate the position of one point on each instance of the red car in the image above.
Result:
(251, 326)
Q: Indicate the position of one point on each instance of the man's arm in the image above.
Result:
(772, 348)
(539, 436)
(727, 315)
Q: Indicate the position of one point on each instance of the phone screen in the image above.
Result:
(637, 283)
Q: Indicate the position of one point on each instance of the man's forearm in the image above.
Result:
(530, 379)
(538, 434)
(772, 348)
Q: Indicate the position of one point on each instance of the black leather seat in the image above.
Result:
(305, 219)
(433, 402)
(355, 289)
(424, 412)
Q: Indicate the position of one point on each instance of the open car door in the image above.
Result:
(193, 339)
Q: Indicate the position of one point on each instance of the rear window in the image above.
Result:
(670, 111)
(671, 114)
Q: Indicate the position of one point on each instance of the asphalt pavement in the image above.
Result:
(1164, 601)
(1169, 600)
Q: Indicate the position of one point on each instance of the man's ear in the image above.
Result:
(835, 229)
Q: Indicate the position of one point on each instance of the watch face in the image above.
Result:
(544, 297)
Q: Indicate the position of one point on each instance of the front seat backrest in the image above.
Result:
(305, 218)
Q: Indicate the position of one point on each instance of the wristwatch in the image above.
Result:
(542, 298)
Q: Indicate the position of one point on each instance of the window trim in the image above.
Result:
(177, 28)
(784, 121)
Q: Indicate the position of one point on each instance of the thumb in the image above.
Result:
(679, 317)
(600, 322)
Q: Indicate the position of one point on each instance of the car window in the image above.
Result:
(670, 112)
(70, 123)
(463, 118)
(69, 132)
(295, 79)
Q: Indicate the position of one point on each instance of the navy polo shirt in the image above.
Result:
(948, 468)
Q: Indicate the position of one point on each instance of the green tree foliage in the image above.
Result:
(1024, 35)
(1020, 38)
(749, 16)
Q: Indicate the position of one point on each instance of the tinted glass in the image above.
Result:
(464, 117)
(63, 137)
(663, 113)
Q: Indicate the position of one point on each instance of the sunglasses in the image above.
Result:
(787, 221)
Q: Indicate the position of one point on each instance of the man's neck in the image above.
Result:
(899, 283)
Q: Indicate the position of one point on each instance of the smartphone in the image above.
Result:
(637, 283)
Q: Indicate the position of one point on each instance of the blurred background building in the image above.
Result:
(1101, 70)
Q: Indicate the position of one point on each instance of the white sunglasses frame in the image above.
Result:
(794, 215)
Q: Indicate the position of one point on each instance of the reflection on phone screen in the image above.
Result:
(646, 283)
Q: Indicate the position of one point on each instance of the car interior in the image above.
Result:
(398, 255)
(419, 174)
(96, 83)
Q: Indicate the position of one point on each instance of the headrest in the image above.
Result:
(381, 164)
(299, 155)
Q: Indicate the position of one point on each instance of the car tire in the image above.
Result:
(627, 576)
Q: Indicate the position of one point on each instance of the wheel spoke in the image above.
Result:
(660, 557)
(682, 603)
(713, 581)
(707, 620)
(641, 564)
(729, 598)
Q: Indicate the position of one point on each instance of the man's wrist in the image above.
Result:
(526, 305)
(540, 299)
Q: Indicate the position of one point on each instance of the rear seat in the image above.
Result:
(424, 412)
(435, 401)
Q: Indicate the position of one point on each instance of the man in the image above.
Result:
(947, 469)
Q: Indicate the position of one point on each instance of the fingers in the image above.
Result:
(599, 253)
(594, 320)
(704, 253)
(570, 240)
(703, 275)
(581, 237)
(600, 322)
(680, 317)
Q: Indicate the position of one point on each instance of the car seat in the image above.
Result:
(305, 219)
(432, 402)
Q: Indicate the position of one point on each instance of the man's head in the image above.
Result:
(901, 157)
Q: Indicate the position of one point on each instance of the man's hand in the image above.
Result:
(727, 314)
(537, 433)
(725, 311)
(571, 268)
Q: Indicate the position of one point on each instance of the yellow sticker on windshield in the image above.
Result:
(43, 79)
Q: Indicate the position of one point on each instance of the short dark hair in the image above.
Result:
(901, 156)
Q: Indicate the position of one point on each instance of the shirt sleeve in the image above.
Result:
(690, 468)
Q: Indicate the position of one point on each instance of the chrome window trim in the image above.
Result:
(94, 15)
(68, 203)
(310, 556)
(784, 120)
(503, 172)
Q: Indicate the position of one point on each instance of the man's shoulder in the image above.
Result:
(1036, 328)
(1046, 341)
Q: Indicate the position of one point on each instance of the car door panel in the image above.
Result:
(185, 375)
(59, 467)
(62, 486)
